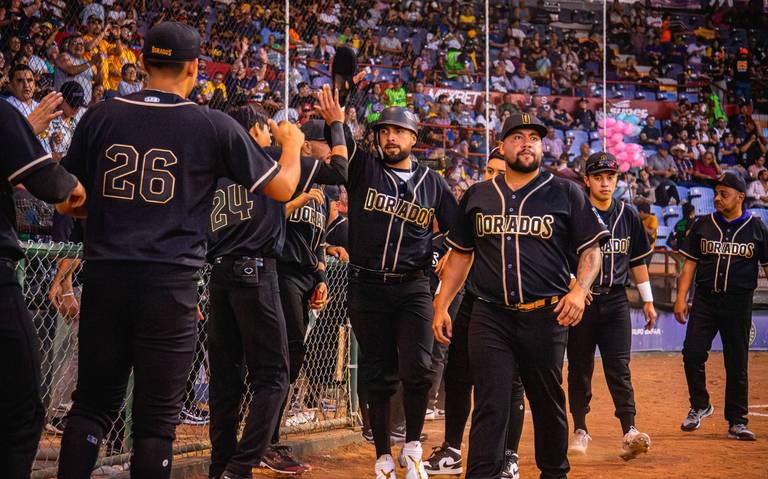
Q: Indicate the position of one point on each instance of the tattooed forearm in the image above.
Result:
(589, 267)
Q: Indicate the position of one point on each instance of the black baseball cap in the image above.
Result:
(600, 162)
(496, 153)
(732, 180)
(521, 121)
(171, 42)
(314, 130)
(332, 192)
(73, 94)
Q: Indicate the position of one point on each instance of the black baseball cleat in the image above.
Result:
(740, 432)
(444, 460)
(279, 459)
(693, 420)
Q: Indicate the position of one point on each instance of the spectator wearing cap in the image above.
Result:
(303, 98)
(742, 75)
(73, 66)
(396, 94)
(683, 163)
(63, 128)
(130, 82)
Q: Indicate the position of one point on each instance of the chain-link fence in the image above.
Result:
(319, 400)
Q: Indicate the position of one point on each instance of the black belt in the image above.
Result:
(383, 276)
(529, 306)
(602, 290)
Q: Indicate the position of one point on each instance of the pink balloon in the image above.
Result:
(629, 128)
(634, 148)
(609, 122)
(617, 137)
(638, 162)
(624, 167)
(623, 157)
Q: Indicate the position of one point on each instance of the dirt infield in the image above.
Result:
(662, 401)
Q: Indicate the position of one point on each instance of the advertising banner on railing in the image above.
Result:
(668, 334)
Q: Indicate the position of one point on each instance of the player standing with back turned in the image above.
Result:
(149, 162)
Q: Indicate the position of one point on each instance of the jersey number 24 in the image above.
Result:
(156, 182)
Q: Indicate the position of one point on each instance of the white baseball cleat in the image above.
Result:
(411, 459)
(385, 467)
(635, 443)
(579, 442)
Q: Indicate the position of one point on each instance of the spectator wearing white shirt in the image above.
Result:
(329, 17)
(22, 87)
(130, 84)
(390, 45)
(757, 191)
(499, 80)
(552, 146)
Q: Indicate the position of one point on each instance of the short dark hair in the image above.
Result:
(170, 67)
(19, 67)
(644, 207)
(126, 67)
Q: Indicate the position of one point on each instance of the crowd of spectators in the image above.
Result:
(408, 51)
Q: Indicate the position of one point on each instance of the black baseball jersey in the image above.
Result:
(337, 232)
(21, 155)
(305, 234)
(627, 247)
(523, 239)
(244, 224)
(727, 253)
(390, 218)
(149, 162)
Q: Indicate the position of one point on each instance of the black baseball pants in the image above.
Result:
(139, 316)
(505, 345)
(458, 384)
(21, 409)
(393, 326)
(606, 324)
(730, 314)
(246, 332)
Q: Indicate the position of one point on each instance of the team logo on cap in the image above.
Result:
(603, 157)
(525, 119)
(162, 51)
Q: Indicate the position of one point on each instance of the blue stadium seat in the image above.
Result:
(544, 91)
(672, 214)
(662, 234)
(596, 145)
(704, 206)
(683, 192)
(761, 213)
(578, 136)
(691, 97)
(649, 153)
(658, 212)
(559, 134)
(701, 192)
(594, 135)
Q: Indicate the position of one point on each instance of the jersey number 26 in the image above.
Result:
(156, 182)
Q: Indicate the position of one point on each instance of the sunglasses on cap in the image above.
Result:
(604, 163)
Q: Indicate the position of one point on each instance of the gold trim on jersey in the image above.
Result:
(406, 210)
(540, 226)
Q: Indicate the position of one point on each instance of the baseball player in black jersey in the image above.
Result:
(446, 459)
(606, 322)
(246, 322)
(149, 162)
(516, 233)
(724, 251)
(301, 265)
(393, 200)
(22, 162)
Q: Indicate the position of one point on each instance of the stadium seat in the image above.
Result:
(703, 206)
(544, 91)
(683, 192)
(578, 136)
(662, 235)
(672, 214)
(596, 145)
(701, 192)
(761, 213)
(658, 212)
(559, 134)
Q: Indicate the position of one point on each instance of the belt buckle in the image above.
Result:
(392, 276)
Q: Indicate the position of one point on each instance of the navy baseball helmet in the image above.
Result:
(398, 116)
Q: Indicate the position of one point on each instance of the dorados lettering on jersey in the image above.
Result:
(616, 246)
(310, 215)
(406, 210)
(540, 226)
(727, 248)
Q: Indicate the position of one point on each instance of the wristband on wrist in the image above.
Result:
(646, 293)
(320, 276)
(337, 134)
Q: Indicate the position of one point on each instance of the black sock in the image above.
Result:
(378, 412)
(580, 422)
(415, 405)
(515, 426)
(152, 457)
(627, 422)
(79, 447)
(458, 399)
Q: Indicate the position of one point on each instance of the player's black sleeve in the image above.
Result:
(690, 247)
(761, 240)
(584, 223)
(639, 246)
(447, 210)
(51, 183)
(348, 137)
(461, 237)
(333, 173)
(22, 153)
(244, 160)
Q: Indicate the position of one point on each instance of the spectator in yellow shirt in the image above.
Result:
(650, 222)
(217, 83)
(118, 55)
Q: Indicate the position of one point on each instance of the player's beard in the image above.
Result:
(397, 158)
(517, 165)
